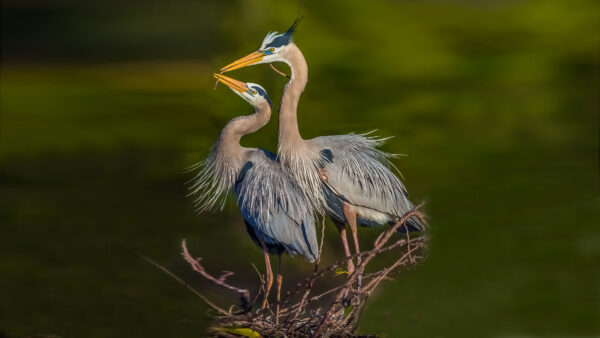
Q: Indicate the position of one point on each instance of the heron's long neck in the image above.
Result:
(289, 134)
(221, 169)
(294, 152)
(229, 139)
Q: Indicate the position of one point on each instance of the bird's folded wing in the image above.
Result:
(273, 205)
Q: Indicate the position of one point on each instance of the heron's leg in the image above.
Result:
(269, 279)
(350, 214)
(279, 280)
(342, 229)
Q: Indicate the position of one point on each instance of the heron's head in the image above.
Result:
(272, 49)
(251, 92)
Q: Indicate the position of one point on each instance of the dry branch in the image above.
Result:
(201, 296)
(196, 266)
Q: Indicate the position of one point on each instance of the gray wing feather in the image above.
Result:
(361, 173)
(272, 204)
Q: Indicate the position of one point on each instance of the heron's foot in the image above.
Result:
(323, 175)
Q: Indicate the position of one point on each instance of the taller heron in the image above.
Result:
(277, 214)
(347, 175)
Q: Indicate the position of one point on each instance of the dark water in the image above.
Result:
(495, 104)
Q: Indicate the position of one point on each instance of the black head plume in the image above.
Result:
(291, 30)
(273, 40)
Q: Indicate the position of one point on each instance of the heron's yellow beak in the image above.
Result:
(236, 85)
(247, 60)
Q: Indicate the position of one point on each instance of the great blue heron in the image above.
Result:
(277, 214)
(346, 174)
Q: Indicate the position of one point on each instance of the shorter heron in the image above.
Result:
(277, 213)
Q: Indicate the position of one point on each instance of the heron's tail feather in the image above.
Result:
(304, 241)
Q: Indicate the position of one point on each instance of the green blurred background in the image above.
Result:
(105, 103)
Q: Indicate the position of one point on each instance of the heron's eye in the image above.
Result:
(254, 92)
(271, 50)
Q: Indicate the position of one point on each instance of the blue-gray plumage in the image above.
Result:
(358, 174)
(274, 209)
(277, 214)
(346, 175)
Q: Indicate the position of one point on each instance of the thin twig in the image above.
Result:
(375, 281)
(278, 71)
(310, 284)
(261, 287)
(201, 296)
(196, 266)
(322, 240)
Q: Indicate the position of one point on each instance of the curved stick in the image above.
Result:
(196, 266)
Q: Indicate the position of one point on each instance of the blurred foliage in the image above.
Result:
(103, 105)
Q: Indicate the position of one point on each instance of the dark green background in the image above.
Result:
(104, 103)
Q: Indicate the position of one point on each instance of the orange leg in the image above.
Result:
(342, 229)
(350, 214)
(279, 281)
(269, 279)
